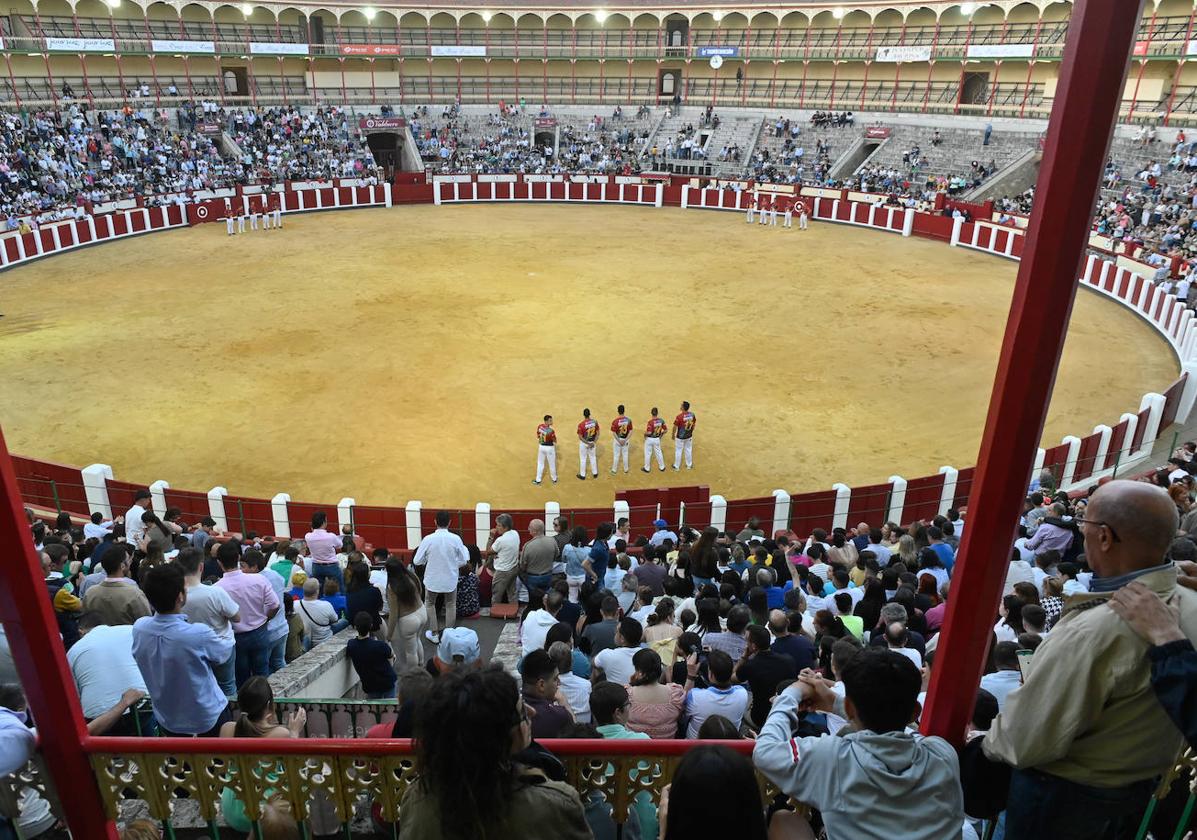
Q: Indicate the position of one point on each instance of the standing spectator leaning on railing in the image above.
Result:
(443, 553)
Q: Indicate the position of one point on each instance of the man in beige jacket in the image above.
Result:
(1085, 733)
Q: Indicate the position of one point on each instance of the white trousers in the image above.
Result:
(265, 221)
(653, 445)
(764, 217)
(789, 219)
(802, 222)
(587, 452)
(619, 449)
(228, 223)
(750, 215)
(240, 224)
(773, 218)
(278, 219)
(253, 220)
(680, 446)
(546, 455)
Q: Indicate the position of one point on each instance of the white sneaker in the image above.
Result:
(435, 638)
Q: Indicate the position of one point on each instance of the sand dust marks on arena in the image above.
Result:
(409, 353)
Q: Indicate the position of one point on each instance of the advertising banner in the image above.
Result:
(201, 47)
(458, 51)
(81, 44)
(265, 48)
(903, 53)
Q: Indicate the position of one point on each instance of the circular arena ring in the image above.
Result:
(400, 353)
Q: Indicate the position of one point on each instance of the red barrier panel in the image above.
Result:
(82, 232)
(811, 510)
(1117, 441)
(591, 518)
(740, 511)
(120, 225)
(1054, 458)
(51, 485)
(1019, 243)
(12, 251)
(137, 222)
(120, 495)
(345, 196)
(327, 197)
(194, 505)
(1111, 276)
(922, 498)
(1133, 289)
(381, 526)
(843, 211)
(964, 487)
(671, 196)
(66, 235)
(364, 195)
(31, 241)
(1140, 430)
(966, 231)
(299, 516)
(175, 215)
(1086, 456)
(247, 515)
(1172, 401)
(869, 503)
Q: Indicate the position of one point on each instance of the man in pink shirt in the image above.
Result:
(257, 603)
(323, 547)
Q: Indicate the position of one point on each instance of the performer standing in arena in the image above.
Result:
(683, 437)
(751, 206)
(621, 430)
(276, 205)
(587, 435)
(801, 215)
(773, 210)
(241, 217)
(547, 453)
(228, 216)
(788, 205)
(764, 214)
(652, 441)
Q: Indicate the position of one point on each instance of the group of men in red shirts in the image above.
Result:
(768, 205)
(682, 433)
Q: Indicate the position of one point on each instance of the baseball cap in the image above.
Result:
(755, 538)
(458, 641)
(660, 523)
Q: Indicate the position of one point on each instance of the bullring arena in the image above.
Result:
(289, 292)
(416, 362)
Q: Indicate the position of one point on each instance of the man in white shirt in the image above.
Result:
(134, 527)
(661, 534)
(444, 554)
(213, 606)
(536, 626)
(1007, 677)
(616, 662)
(575, 689)
(503, 549)
(1018, 571)
(319, 617)
(103, 667)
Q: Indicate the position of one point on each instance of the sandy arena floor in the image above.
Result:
(410, 353)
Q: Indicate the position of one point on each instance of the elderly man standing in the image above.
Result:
(503, 549)
(537, 557)
(1084, 732)
(444, 554)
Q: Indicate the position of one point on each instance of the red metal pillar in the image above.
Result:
(41, 663)
(1130, 114)
(1180, 63)
(968, 36)
(893, 97)
(1026, 90)
(12, 81)
(1092, 74)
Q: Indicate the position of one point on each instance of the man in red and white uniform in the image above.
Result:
(275, 206)
(773, 210)
(228, 216)
(751, 206)
(587, 435)
(764, 214)
(787, 204)
(621, 432)
(546, 437)
(653, 432)
(801, 215)
(683, 437)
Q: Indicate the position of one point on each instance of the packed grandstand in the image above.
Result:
(567, 678)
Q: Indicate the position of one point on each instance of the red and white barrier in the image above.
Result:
(57, 237)
(452, 190)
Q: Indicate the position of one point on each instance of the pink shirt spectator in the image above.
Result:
(255, 598)
(322, 545)
(934, 616)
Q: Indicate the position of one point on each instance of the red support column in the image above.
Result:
(41, 663)
(1180, 63)
(1026, 90)
(868, 59)
(968, 36)
(149, 45)
(931, 66)
(997, 71)
(893, 97)
(1091, 78)
(1130, 115)
(12, 81)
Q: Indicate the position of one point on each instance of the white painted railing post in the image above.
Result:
(718, 513)
(660, 202)
(685, 196)
(281, 514)
(414, 535)
(1124, 454)
(216, 507)
(897, 499)
(1155, 403)
(95, 487)
(781, 511)
(481, 524)
(1189, 394)
(622, 510)
(1070, 459)
(1104, 433)
(158, 497)
(551, 511)
(345, 512)
(957, 225)
(843, 497)
(947, 495)
(908, 222)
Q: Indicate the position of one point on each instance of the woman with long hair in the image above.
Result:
(1009, 626)
(928, 591)
(156, 533)
(405, 600)
(704, 557)
(660, 624)
(843, 551)
(714, 793)
(707, 620)
(654, 708)
(868, 609)
(363, 596)
(255, 700)
(908, 555)
(930, 563)
(469, 728)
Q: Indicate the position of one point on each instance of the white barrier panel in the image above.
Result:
(281, 515)
(95, 488)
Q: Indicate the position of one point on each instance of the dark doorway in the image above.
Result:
(677, 37)
(235, 81)
(384, 145)
(975, 89)
(669, 83)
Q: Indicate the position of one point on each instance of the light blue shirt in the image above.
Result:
(103, 667)
(176, 659)
(574, 556)
(276, 627)
(701, 703)
(17, 742)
